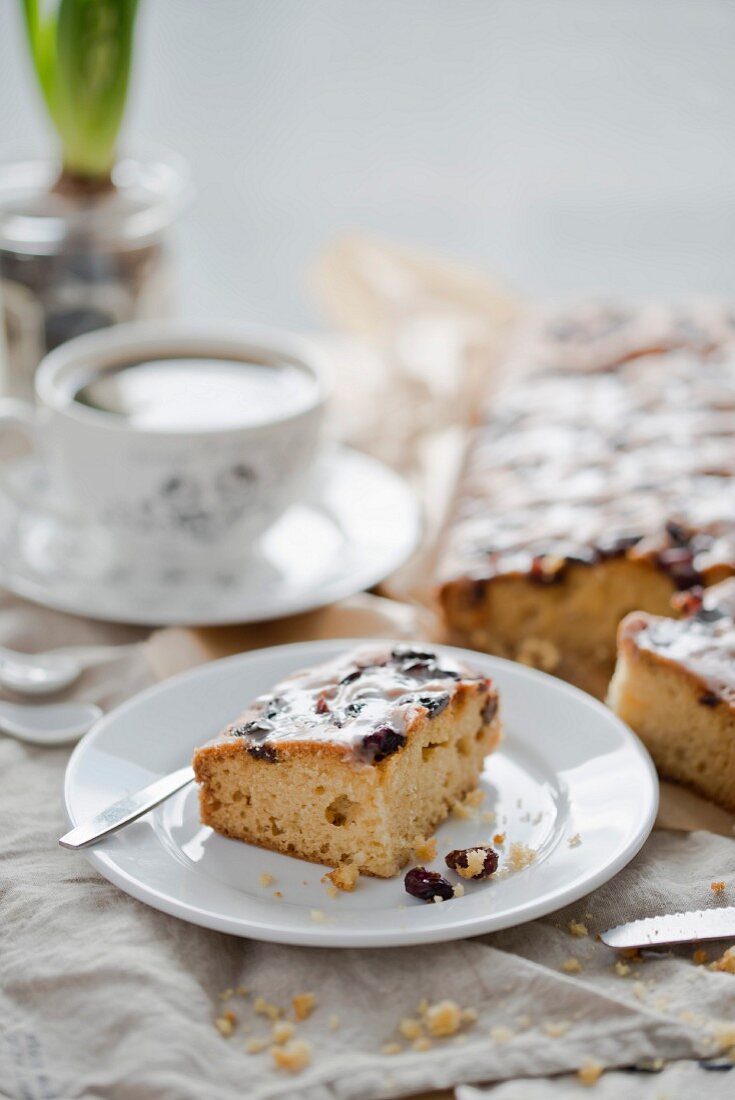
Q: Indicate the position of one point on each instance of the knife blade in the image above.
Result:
(702, 924)
(126, 809)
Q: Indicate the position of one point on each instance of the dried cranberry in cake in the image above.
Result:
(263, 752)
(679, 564)
(427, 885)
(689, 602)
(382, 743)
(475, 863)
(547, 569)
(372, 748)
(490, 709)
(435, 704)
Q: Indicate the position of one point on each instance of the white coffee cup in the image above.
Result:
(191, 497)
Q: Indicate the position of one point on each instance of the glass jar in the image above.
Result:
(74, 259)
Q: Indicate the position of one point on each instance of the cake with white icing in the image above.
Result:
(599, 481)
(353, 760)
(674, 684)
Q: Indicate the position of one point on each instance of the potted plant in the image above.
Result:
(83, 237)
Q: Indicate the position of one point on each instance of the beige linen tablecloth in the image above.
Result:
(103, 997)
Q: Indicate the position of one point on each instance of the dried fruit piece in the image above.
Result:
(383, 742)
(427, 885)
(475, 863)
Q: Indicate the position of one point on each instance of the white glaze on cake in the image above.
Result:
(604, 442)
(371, 690)
(703, 644)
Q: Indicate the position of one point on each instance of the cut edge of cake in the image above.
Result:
(685, 720)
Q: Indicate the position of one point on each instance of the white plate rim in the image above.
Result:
(330, 935)
(400, 548)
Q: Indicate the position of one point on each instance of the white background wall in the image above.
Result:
(570, 145)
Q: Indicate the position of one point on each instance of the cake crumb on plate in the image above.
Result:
(424, 849)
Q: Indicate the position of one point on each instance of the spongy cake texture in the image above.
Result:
(362, 791)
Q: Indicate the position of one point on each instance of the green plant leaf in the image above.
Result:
(82, 52)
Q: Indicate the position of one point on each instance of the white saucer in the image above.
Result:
(568, 769)
(361, 523)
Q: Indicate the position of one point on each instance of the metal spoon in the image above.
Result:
(37, 673)
(51, 724)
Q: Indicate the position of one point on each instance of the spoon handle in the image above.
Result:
(127, 809)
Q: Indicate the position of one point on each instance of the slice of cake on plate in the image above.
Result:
(353, 760)
(674, 684)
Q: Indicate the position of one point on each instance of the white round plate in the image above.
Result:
(361, 523)
(567, 768)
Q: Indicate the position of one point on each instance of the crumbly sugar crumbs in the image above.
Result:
(578, 928)
(590, 1073)
(520, 856)
(294, 1056)
(424, 849)
(256, 1045)
(283, 1031)
(345, 876)
(574, 841)
(501, 1034)
(555, 1029)
(225, 1024)
(266, 879)
(463, 811)
(265, 1008)
(391, 1048)
(303, 1005)
(443, 1018)
(410, 1028)
(572, 966)
(726, 962)
(622, 969)
(717, 887)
